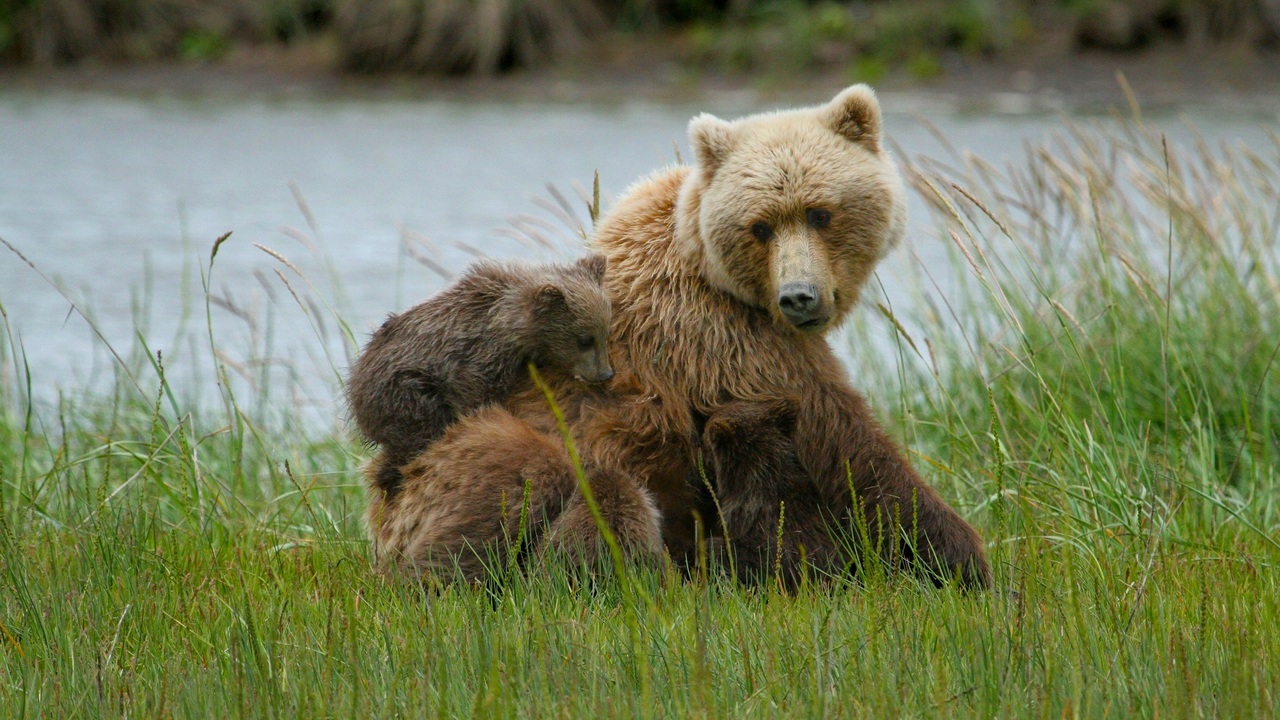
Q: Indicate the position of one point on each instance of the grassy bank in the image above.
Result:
(863, 39)
(1095, 390)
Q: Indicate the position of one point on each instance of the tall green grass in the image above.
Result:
(1113, 344)
(1094, 390)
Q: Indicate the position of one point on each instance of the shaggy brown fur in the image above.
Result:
(724, 277)
(462, 500)
(626, 509)
(765, 495)
(491, 481)
(699, 318)
(468, 346)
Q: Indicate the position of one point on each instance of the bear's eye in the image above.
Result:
(762, 231)
(586, 342)
(818, 218)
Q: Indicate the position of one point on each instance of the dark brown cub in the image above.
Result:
(775, 521)
(468, 346)
(778, 521)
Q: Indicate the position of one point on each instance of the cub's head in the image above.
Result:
(570, 317)
(792, 210)
(752, 442)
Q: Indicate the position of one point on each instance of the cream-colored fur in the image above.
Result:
(773, 168)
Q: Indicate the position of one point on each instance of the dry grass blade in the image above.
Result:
(429, 263)
(979, 204)
(412, 237)
(470, 249)
(230, 306)
(305, 208)
(265, 283)
(533, 241)
(296, 298)
(75, 308)
(279, 257)
(562, 211)
(301, 237)
(217, 244)
(902, 331)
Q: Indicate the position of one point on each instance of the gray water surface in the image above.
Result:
(118, 201)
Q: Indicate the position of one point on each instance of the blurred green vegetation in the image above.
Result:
(869, 38)
(865, 37)
(52, 32)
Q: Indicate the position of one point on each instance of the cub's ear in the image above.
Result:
(785, 414)
(855, 115)
(546, 298)
(595, 263)
(720, 432)
(711, 139)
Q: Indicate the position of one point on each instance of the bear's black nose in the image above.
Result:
(606, 375)
(799, 302)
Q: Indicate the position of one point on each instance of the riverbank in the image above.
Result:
(1047, 79)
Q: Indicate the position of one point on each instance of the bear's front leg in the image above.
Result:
(653, 443)
(901, 514)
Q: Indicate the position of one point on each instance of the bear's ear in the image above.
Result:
(855, 115)
(546, 298)
(720, 432)
(785, 413)
(595, 264)
(711, 139)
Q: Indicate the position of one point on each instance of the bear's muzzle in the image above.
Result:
(801, 304)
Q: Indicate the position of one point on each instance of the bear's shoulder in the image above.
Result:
(644, 212)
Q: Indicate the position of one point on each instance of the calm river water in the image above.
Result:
(117, 201)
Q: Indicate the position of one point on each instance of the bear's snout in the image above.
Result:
(801, 304)
(595, 373)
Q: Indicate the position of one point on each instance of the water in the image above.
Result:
(118, 200)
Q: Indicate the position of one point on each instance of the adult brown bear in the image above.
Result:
(725, 278)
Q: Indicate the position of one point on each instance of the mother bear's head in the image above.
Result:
(810, 194)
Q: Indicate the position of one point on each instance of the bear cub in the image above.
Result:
(760, 486)
(468, 346)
